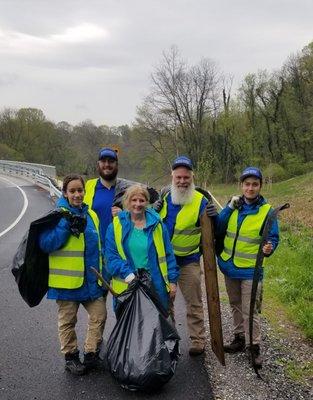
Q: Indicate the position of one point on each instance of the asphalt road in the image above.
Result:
(31, 366)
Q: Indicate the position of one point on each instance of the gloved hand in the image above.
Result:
(129, 278)
(157, 205)
(77, 224)
(211, 210)
(234, 202)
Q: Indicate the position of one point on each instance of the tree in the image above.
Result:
(181, 99)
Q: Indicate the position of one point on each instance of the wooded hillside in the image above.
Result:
(191, 110)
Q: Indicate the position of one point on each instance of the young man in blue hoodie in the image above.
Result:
(240, 225)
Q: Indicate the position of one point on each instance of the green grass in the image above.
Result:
(289, 278)
(299, 372)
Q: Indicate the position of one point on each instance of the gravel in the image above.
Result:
(238, 381)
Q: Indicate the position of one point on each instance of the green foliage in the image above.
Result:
(274, 173)
(290, 277)
(293, 164)
(189, 110)
(7, 153)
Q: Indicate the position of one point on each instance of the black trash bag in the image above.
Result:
(30, 265)
(143, 348)
(120, 189)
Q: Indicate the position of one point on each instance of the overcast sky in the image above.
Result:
(79, 59)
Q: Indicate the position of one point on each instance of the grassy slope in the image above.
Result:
(289, 278)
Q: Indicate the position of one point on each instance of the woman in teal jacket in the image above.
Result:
(74, 247)
(137, 248)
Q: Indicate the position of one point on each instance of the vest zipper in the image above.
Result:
(235, 242)
(236, 237)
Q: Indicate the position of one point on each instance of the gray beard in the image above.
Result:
(182, 197)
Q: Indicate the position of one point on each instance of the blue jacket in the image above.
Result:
(227, 267)
(121, 268)
(54, 238)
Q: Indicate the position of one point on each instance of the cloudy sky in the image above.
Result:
(79, 59)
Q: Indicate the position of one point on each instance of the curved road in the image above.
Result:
(31, 366)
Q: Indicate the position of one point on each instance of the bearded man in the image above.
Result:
(104, 194)
(180, 209)
(100, 192)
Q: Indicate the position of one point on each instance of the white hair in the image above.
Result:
(182, 196)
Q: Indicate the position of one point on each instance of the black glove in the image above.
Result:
(157, 205)
(77, 224)
(211, 210)
(154, 195)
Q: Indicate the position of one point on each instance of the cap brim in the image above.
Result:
(243, 177)
(112, 158)
(181, 165)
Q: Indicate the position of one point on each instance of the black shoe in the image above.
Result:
(92, 360)
(73, 364)
(237, 345)
(254, 355)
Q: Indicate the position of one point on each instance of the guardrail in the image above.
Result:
(42, 175)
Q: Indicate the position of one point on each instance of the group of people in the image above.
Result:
(163, 238)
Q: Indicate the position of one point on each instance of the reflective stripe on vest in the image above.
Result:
(186, 237)
(90, 189)
(243, 246)
(119, 284)
(67, 265)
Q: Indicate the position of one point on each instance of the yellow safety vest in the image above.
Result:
(67, 265)
(90, 189)
(118, 284)
(187, 236)
(243, 245)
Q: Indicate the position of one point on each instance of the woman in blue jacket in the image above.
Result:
(137, 239)
(74, 246)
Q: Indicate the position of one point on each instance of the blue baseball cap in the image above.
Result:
(251, 171)
(107, 153)
(182, 161)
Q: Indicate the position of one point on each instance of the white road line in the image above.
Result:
(25, 205)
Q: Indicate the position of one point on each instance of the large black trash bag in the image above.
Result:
(30, 265)
(142, 350)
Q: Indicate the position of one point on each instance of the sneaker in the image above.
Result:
(73, 364)
(196, 349)
(254, 355)
(237, 345)
(92, 360)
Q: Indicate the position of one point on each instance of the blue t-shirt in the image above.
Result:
(102, 204)
(170, 221)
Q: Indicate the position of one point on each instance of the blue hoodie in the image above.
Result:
(118, 267)
(54, 238)
(228, 267)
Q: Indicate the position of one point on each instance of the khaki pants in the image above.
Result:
(190, 285)
(239, 294)
(67, 318)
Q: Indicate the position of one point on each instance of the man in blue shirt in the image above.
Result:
(102, 196)
(180, 210)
